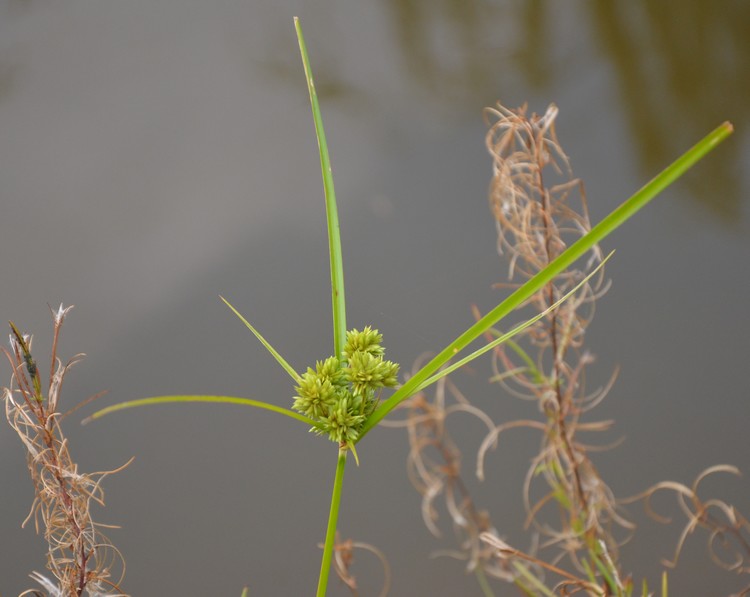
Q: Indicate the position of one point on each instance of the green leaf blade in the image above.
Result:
(198, 398)
(575, 251)
(287, 367)
(515, 331)
(338, 298)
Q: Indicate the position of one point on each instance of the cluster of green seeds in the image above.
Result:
(340, 393)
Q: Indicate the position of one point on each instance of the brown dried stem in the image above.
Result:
(540, 209)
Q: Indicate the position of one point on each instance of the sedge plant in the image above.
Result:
(341, 397)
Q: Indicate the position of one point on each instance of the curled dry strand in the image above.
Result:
(434, 469)
(80, 558)
(728, 530)
(344, 558)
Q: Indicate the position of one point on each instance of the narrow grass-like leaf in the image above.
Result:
(189, 398)
(531, 367)
(484, 583)
(508, 335)
(607, 576)
(531, 579)
(589, 571)
(615, 219)
(332, 216)
(287, 367)
(529, 592)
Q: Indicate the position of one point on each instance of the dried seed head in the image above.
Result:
(81, 560)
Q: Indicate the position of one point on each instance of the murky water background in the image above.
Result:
(156, 154)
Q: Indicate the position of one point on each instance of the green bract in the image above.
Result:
(340, 394)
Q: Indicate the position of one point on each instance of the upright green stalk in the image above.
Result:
(337, 295)
(325, 565)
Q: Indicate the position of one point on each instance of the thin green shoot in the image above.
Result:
(589, 571)
(531, 367)
(287, 367)
(528, 591)
(607, 574)
(484, 582)
(532, 580)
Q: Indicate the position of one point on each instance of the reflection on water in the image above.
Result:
(466, 49)
(680, 73)
(443, 44)
(9, 61)
(8, 71)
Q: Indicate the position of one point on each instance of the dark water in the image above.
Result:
(156, 154)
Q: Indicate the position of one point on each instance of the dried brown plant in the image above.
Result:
(540, 209)
(79, 557)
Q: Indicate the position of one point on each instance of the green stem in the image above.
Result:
(325, 564)
(532, 580)
(484, 583)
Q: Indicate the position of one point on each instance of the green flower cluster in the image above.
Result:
(339, 394)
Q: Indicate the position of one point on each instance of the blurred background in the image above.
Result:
(157, 153)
